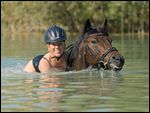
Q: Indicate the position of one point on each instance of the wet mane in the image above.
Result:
(72, 52)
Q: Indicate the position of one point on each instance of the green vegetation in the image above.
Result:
(36, 16)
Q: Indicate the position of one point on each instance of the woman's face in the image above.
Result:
(56, 49)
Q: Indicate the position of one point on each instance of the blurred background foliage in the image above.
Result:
(37, 16)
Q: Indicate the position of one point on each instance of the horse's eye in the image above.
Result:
(93, 41)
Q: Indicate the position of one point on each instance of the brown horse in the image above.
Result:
(94, 49)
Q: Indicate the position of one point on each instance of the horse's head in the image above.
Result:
(95, 45)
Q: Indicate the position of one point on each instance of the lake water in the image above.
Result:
(84, 90)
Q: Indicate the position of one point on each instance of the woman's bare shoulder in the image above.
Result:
(44, 65)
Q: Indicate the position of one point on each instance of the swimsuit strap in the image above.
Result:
(47, 60)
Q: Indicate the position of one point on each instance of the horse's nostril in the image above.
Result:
(113, 57)
(116, 58)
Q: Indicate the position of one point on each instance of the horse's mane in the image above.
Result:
(72, 52)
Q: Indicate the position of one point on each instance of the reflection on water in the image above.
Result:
(77, 90)
(65, 92)
(47, 91)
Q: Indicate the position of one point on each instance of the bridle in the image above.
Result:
(100, 63)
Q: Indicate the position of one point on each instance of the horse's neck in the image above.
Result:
(79, 63)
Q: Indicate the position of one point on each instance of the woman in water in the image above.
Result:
(55, 59)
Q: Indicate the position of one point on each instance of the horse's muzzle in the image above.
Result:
(116, 63)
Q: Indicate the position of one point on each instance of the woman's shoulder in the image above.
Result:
(45, 59)
(44, 64)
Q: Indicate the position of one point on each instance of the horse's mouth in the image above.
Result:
(109, 66)
(115, 67)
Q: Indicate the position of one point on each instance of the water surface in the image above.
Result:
(84, 90)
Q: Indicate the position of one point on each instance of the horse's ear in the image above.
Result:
(105, 23)
(87, 26)
(105, 26)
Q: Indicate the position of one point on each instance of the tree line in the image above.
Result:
(37, 16)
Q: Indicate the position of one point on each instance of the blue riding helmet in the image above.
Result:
(54, 34)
